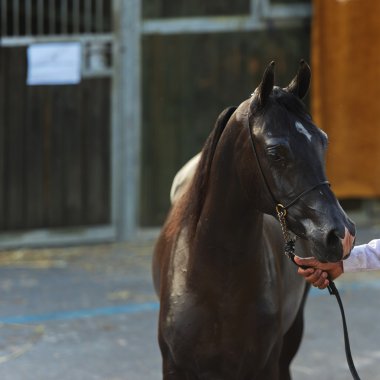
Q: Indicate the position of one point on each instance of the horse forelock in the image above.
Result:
(291, 102)
(279, 98)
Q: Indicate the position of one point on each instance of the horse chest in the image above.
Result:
(219, 346)
(225, 310)
(236, 329)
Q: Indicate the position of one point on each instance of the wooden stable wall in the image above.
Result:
(175, 65)
(54, 150)
(187, 81)
(346, 102)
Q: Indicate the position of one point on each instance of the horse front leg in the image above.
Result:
(171, 372)
(271, 371)
(292, 341)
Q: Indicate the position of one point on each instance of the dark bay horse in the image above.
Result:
(231, 304)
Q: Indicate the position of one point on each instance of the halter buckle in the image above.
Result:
(281, 210)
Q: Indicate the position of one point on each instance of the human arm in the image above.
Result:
(363, 257)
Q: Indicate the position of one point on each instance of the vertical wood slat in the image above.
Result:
(4, 18)
(28, 17)
(96, 152)
(88, 16)
(76, 16)
(99, 16)
(16, 17)
(40, 17)
(14, 197)
(47, 103)
(34, 156)
(3, 110)
(52, 17)
(55, 184)
(153, 50)
(64, 14)
(72, 165)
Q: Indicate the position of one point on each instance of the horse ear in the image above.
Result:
(301, 82)
(266, 86)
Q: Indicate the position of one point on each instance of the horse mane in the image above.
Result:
(191, 204)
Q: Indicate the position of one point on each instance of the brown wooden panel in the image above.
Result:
(15, 143)
(72, 164)
(96, 150)
(34, 158)
(159, 140)
(54, 150)
(346, 68)
(3, 83)
(56, 157)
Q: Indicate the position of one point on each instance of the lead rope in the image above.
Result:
(289, 249)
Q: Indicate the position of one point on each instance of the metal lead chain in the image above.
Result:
(281, 213)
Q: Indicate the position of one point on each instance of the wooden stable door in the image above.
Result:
(54, 150)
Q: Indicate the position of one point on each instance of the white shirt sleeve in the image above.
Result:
(363, 257)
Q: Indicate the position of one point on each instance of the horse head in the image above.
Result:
(289, 165)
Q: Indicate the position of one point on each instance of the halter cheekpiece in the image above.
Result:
(289, 248)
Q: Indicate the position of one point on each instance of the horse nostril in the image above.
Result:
(332, 239)
(333, 245)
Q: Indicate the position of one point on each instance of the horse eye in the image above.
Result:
(277, 153)
(275, 157)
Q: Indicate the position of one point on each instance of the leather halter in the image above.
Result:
(289, 249)
(279, 204)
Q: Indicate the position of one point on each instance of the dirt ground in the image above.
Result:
(89, 313)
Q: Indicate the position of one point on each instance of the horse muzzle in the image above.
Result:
(333, 247)
(347, 243)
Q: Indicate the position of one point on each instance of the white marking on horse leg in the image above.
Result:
(301, 129)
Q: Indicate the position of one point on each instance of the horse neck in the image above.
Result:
(230, 217)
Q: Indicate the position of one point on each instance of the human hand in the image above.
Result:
(317, 274)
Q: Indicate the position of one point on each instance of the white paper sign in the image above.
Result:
(54, 63)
